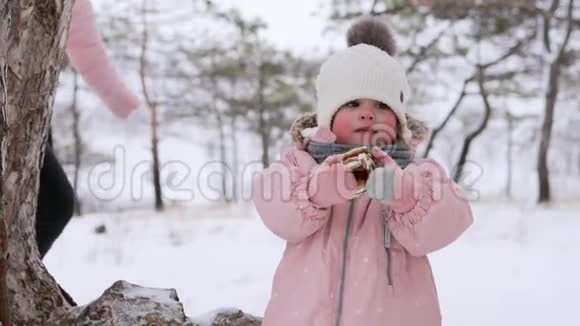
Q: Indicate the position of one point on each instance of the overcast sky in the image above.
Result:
(296, 24)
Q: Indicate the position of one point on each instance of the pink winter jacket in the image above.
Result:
(87, 55)
(387, 279)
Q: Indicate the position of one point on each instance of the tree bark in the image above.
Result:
(77, 142)
(6, 32)
(5, 318)
(33, 39)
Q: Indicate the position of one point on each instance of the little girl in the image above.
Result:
(358, 260)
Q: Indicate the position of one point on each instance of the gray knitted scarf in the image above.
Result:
(320, 151)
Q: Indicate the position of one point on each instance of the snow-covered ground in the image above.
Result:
(515, 266)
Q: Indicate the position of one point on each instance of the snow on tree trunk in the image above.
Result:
(32, 40)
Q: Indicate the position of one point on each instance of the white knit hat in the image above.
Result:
(363, 70)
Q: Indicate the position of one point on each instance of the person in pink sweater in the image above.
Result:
(88, 57)
(355, 259)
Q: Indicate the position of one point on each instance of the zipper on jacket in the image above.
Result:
(343, 268)
(388, 248)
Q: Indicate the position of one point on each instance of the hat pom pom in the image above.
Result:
(372, 31)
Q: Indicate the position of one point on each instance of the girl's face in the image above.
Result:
(365, 122)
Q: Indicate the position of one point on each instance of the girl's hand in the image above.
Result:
(391, 184)
(382, 158)
(331, 183)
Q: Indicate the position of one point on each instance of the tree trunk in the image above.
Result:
(155, 153)
(235, 158)
(262, 125)
(477, 132)
(265, 140)
(6, 32)
(153, 114)
(452, 112)
(4, 304)
(33, 39)
(223, 157)
(509, 152)
(77, 142)
(544, 191)
(545, 195)
(221, 131)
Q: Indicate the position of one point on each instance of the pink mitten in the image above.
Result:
(331, 183)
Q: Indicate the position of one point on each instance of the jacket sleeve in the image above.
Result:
(87, 55)
(280, 194)
(440, 215)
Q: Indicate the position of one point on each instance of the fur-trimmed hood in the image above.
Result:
(418, 128)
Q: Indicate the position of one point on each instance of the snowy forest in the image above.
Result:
(163, 196)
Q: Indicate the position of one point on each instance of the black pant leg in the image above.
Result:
(55, 202)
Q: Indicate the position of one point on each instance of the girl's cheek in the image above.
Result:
(343, 136)
(342, 127)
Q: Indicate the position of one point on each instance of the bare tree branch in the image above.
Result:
(355, 14)
(452, 112)
(373, 5)
(569, 30)
(463, 93)
(547, 16)
(511, 51)
(422, 55)
(479, 130)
